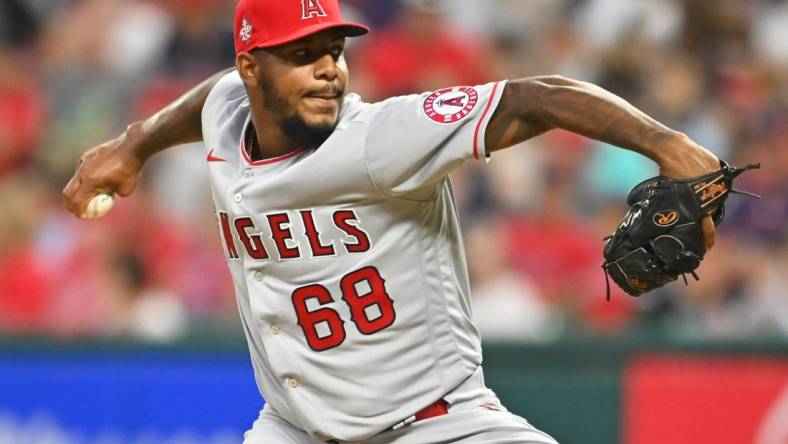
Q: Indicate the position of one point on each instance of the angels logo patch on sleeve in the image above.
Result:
(450, 105)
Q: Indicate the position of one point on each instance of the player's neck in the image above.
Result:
(274, 144)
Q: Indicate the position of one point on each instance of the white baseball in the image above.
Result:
(99, 206)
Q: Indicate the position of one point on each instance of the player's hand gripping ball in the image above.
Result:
(99, 206)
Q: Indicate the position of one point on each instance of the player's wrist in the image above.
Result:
(136, 142)
(679, 157)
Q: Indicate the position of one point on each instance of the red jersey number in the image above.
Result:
(371, 308)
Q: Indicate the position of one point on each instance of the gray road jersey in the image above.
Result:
(347, 258)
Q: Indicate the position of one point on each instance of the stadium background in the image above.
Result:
(125, 329)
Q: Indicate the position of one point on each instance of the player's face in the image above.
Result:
(303, 85)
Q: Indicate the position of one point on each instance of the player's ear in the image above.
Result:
(247, 66)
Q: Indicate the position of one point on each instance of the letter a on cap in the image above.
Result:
(311, 8)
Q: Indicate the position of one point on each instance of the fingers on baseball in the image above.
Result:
(70, 196)
(126, 188)
(709, 231)
(79, 194)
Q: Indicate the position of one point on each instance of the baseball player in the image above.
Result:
(340, 229)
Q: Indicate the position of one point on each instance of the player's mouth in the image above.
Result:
(325, 98)
(323, 101)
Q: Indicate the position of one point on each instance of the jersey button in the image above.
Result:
(275, 329)
(238, 197)
(247, 173)
(292, 382)
(258, 275)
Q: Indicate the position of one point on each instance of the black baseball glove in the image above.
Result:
(660, 237)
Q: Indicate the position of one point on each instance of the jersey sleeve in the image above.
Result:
(220, 105)
(415, 141)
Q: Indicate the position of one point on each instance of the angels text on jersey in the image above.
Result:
(342, 227)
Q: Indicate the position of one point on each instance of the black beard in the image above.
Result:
(293, 126)
(298, 131)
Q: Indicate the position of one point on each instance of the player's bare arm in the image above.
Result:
(114, 166)
(534, 105)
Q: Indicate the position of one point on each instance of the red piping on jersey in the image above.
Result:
(479, 125)
(265, 161)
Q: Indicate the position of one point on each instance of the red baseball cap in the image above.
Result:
(266, 23)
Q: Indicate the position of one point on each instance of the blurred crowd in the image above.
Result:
(73, 73)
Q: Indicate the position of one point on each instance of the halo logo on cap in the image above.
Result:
(269, 23)
(246, 31)
(451, 105)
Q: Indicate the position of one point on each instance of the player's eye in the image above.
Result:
(302, 53)
(337, 51)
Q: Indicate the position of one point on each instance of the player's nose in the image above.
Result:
(326, 68)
